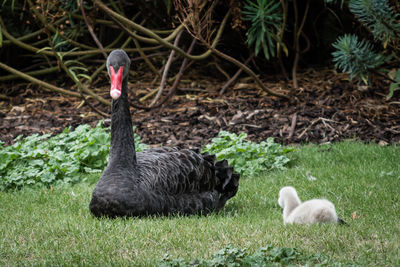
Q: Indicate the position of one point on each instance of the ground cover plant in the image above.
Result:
(247, 157)
(264, 256)
(53, 226)
(47, 160)
(64, 158)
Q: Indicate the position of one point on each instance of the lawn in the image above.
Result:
(54, 227)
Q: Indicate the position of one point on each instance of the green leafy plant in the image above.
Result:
(248, 158)
(75, 68)
(266, 21)
(358, 58)
(46, 160)
(379, 17)
(264, 256)
(394, 86)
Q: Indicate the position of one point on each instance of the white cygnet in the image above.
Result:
(308, 212)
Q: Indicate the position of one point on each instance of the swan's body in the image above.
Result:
(308, 212)
(158, 181)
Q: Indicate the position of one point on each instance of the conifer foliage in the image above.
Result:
(356, 57)
(379, 17)
(360, 58)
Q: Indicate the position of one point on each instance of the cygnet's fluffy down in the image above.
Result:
(309, 212)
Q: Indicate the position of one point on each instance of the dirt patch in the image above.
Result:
(328, 108)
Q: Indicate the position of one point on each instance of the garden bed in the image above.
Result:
(327, 108)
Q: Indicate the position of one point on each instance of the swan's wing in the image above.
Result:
(176, 171)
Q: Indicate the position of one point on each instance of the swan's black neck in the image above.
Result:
(122, 148)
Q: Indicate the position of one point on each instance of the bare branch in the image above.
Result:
(248, 71)
(182, 69)
(234, 77)
(45, 85)
(165, 73)
(90, 28)
(160, 40)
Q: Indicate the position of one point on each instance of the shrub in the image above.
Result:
(266, 22)
(356, 57)
(359, 58)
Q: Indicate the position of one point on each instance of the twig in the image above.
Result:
(166, 70)
(103, 65)
(284, 72)
(138, 27)
(144, 56)
(31, 48)
(234, 77)
(96, 72)
(196, 24)
(314, 122)
(292, 126)
(212, 48)
(182, 69)
(149, 95)
(90, 28)
(327, 125)
(308, 43)
(72, 77)
(100, 61)
(54, 30)
(297, 33)
(95, 20)
(101, 113)
(80, 90)
(138, 47)
(41, 65)
(178, 78)
(220, 69)
(171, 32)
(248, 71)
(45, 85)
(31, 73)
(20, 43)
(150, 55)
(4, 97)
(306, 129)
(33, 34)
(282, 31)
(158, 39)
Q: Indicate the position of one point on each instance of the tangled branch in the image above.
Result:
(60, 48)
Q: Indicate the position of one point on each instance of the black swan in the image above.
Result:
(159, 181)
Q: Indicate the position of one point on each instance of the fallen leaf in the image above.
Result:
(354, 215)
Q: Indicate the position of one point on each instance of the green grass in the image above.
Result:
(54, 226)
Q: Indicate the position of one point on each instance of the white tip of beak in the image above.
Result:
(115, 93)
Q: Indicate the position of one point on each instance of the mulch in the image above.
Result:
(326, 108)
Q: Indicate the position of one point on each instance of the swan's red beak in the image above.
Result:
(116, 82)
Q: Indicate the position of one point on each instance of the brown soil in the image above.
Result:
(328, 108)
